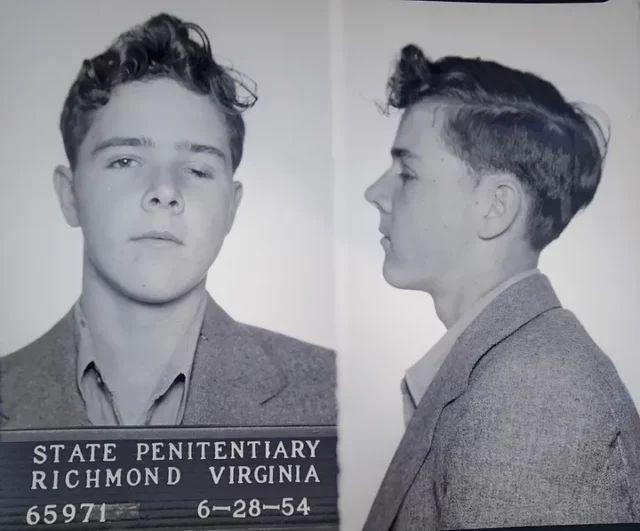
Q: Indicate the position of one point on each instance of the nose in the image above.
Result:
(374, 194)
(163, 194)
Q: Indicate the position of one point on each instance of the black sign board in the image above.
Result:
(169, 478)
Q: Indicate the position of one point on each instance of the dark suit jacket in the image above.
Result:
(242, 376)
(526, 423)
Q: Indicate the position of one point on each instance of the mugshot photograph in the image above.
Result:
(515, 413)
(153, 129)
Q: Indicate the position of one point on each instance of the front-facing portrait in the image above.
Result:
(171, 181)
(167, 353)
(152, 186)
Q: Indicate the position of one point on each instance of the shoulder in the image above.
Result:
(299, 357)
(549, 373)
(540, 415)
(37, 355)
(310, 373)
(31, 374)
(553, 348)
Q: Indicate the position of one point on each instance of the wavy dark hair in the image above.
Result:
(503, 120)
(161, 47)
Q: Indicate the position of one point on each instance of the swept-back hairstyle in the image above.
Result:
(501, 120)
(159, 48)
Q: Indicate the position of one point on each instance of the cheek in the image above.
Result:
(107, 190)
(103, 207)
(425, 224)
(413, 215)
(208, 212)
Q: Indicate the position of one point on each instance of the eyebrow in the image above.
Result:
(402, 153)
(119, 141)
(201, 148)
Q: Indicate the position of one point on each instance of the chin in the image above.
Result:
(145, 283)
(395, 277)
(400, 278)
(151, 295)
(148, 296)
(157, 290)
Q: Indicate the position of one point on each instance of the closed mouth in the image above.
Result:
(160, 236)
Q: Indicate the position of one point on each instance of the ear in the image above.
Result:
(236, 198)
(501, 203)
(63, 184)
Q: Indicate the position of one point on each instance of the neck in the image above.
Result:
(463, 289)
(134, 340)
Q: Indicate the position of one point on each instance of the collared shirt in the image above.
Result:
(419, 376)
(167, 403)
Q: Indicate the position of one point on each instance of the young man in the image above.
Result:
(154, 133)
(515, 417)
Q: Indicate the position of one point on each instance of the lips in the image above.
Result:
(385, 241)
(164, 236)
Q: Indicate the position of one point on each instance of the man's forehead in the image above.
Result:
(111, 131)
(423, 116)
(161, 109)
(420, 128)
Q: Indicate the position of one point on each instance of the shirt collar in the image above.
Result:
(180, 363)
(84, 344)
(418, 377)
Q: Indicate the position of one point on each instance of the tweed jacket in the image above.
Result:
(526, 423)
(242, 376)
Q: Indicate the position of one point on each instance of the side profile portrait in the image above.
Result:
(515, 417)
(153, 130)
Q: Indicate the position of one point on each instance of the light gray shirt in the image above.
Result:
(164, 407)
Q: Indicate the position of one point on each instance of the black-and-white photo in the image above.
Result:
(490, 151)
(256, 250)
(145, 147)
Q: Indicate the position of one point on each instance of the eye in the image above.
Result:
(406, 177)
(122, 163)
(201, 174)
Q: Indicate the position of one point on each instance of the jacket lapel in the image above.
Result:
(57, 393)
(233, 376)
(511, 310)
